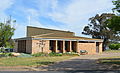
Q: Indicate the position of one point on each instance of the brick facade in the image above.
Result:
(48, 40)
(89, 47)
(37, 46)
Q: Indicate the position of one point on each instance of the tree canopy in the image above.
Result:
(6, 33)
(114, 24)
(97, 28)
(117, 5)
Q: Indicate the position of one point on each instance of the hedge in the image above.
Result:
(114, 46)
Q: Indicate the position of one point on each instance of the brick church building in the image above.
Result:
(50, 40)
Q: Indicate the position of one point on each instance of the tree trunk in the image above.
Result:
(104, 44)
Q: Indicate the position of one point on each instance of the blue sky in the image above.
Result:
(70, 15)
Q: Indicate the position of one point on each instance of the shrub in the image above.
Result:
(114, 46)
(39, 54)
(71, 54)
(5, 54)
(8, 54)
(55, 54)
(2, 54)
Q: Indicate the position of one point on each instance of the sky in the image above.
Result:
(69, 15)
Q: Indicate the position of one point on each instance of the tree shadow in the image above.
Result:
(80, 66)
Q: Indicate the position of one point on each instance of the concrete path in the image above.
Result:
(85, 62)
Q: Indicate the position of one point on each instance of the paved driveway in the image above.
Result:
(85, 62)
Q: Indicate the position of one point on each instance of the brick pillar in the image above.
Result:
(56, 46)
(70, 46)
(63, 49)
(77, 47)
(100, 47)
(16, 46)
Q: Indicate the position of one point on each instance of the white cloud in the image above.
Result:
(76, 13)
(3, 6)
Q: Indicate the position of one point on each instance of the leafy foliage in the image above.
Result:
(5, 54)
(114, 46)
(6, 33)
(39, 54)
(55, 54)
(71, 54)
(114, 24)
(97, 28)
(117, 6)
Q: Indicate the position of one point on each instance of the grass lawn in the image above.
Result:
(113, 51)
(31, 61)
(111, 60)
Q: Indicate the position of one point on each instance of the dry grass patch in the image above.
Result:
(112, 51)
(31, 61)
(112, 62)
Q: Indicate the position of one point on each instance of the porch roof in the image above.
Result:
(72, 38)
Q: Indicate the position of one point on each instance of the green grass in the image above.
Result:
(113, 51)
(31, 61)
(110, 60)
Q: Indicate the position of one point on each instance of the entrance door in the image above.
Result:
(97, 47)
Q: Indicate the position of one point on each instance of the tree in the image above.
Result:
(117, 5)
(97, 28)
(114, 24)
(6, 33)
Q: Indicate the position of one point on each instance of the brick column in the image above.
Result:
(16, 46)
(63, 49)
(56, 46)
(77, 47)
(70, 46)
(100, 47)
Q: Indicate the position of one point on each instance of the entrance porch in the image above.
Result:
(61, 46)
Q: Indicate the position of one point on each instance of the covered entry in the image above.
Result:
(68, 46)
(53, 45)
(74, 46)
(97, 47)
(22, 46)
(60, 46)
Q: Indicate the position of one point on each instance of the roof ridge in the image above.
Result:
(50, 29)
(42, 35)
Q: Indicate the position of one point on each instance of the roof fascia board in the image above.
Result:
(67, 39)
